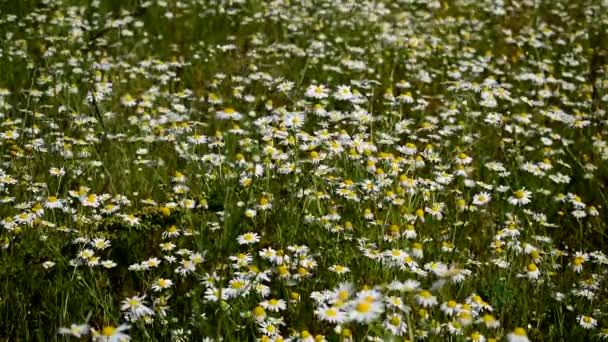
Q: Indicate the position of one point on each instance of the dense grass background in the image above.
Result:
(175, 58)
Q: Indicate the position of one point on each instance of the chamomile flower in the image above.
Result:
(248, 238)
(52, 202)
(237, 286)
(131, 219)
(579, 261)
(75, 330)
(520, 197)
(396, 303)
(489, 321)
(343, 93)
(518, 335)
(250, 213)
(481, 198)
(331, 314)
(426, 299)
(450, 307)
(57, 171)
(269, 328)
(161, 284)
(476, 336)
(185, 267)
(264, 203)
(339, 269)
(100, 243)
(587, 322)
(108, 264)
(228, 113)
(274, 304)
(111, 334)
(365, 310)
(150, 263)
(91, 200)
(317, 91)
(532, 271)
(395, 324)
(135, 307)
(48, 264)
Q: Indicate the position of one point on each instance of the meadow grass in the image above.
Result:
(206, 170)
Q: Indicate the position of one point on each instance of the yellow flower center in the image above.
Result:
(519, 332)
(364, 307)
(283, 270)
(259, 311)
(535, 254)
(464, 315)
(108, 331)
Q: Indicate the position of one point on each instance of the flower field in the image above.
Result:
(304, 170)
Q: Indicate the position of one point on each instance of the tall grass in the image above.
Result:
(303, 170)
